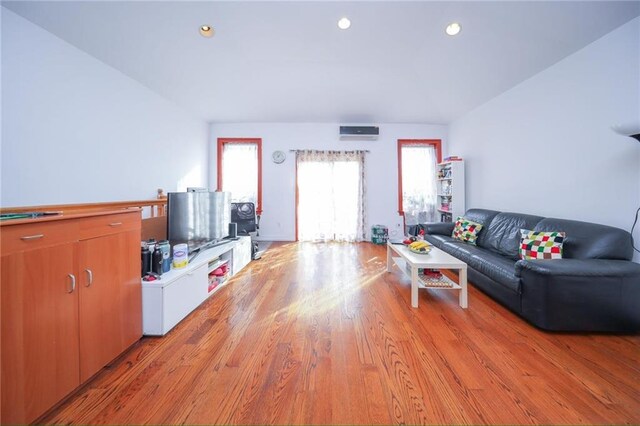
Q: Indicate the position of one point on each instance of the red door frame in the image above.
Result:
(435, 143)
(258, 142)
(297, 196)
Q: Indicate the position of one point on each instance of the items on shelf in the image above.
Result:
(446, 217)
(450, 188)
(26, 215)
(444, 173)
(434, 278)
(165, 248)
(155, 257)
(430, 273)
(218, 273)
(180, 256)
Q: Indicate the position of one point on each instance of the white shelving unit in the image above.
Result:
(427, 282)
(167, 301)
(450, 190)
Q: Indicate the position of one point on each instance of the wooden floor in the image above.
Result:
(320, 333)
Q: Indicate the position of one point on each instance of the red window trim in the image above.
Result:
(297, 199)
(436, 143)
(258, 142)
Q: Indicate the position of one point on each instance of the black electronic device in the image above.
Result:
(369, 131)
(244, 215)
(197, 218)
(233, 230)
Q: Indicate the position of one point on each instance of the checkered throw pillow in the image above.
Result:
(541, 245)
(466, 230)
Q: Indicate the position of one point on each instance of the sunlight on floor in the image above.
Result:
(327, 276)
(322, 300)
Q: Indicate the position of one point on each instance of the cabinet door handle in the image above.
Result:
(89, 277)
(114, 224)
(32, 237)
(73, 283)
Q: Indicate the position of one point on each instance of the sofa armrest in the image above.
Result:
(581, 294)
(579, 268)
(439, 228)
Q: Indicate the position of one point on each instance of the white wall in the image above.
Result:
(278, 192)
(545, 147)
(76, 130)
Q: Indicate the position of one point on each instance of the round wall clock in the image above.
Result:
(278, 157)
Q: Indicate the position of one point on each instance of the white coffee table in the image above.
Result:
(410, 262)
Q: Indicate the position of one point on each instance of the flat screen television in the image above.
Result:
(198, 218)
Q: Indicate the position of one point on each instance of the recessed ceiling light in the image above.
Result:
(206, 31)
(453, 28)
(344, 23)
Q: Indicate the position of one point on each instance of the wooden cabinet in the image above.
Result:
(39, 331)
(110, 300)
(70, 303)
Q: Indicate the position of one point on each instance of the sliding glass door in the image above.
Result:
(330, 195)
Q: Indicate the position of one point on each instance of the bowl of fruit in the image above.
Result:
(420, 247)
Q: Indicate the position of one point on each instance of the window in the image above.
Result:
(417, 179)
(240, 170)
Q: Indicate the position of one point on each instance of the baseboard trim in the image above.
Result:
(272, 238)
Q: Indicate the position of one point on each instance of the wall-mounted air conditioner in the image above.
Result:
(359, 132)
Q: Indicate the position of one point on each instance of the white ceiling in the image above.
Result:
(289, 62)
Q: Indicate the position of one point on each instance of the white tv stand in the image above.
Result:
(165, 302)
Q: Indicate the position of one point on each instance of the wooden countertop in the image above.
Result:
(64, 216)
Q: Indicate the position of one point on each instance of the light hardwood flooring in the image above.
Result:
(320, 333)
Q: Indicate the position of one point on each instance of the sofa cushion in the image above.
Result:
(466, 230)
(483, 217)
(494, 266)
(541, 245)
(590, 240)
(503, 234)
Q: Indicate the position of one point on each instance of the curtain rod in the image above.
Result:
(319, 150)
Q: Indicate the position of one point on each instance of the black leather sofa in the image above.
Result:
(594, 287)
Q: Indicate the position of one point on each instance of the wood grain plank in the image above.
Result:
(321, 334)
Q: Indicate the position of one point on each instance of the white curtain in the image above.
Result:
(240, 172)
(418, 184)
(331, 195)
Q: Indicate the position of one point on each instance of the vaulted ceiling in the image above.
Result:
(289, 62)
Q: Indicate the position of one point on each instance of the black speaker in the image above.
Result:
(244, 214)
(242, 211)
(233, 230)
